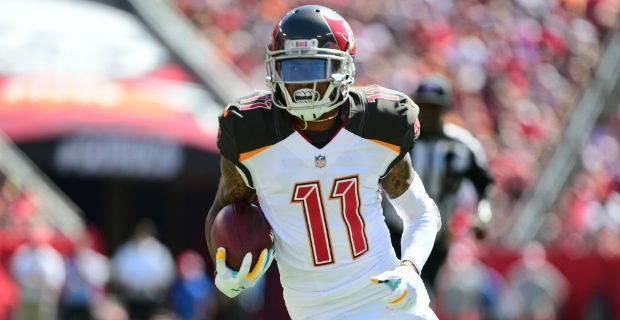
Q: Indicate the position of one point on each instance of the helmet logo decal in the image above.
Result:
(306, 95)
(342, 32)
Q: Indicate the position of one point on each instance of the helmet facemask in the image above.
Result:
(302, 62)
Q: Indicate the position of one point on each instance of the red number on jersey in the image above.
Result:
(347, 191)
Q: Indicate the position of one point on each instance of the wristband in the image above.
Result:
(409, 263)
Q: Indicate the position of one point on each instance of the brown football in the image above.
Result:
(241, 227)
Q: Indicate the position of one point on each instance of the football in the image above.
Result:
(241, 227)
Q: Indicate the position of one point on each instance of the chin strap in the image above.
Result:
(320, 120)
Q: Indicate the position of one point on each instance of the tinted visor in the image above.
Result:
(306, 70)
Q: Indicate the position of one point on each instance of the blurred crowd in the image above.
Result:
(518, 68)
(47, 275)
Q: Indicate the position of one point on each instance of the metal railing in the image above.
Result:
(601, 95)
(193, 48)
(53, 205)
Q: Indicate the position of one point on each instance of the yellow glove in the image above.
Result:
(231, 282)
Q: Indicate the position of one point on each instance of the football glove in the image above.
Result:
(405, 288)
(231, 282)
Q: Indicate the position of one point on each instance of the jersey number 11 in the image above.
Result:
(346, 190)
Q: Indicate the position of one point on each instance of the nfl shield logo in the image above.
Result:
(320, 161)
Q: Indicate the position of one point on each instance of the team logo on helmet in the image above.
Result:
(320, 161)
(342, 32)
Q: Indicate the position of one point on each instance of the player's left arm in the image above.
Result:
(420, 215)
(421, 222)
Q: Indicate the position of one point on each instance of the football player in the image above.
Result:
(317, 152)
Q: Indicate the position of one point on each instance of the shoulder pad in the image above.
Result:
(251, 123)
(386, 115)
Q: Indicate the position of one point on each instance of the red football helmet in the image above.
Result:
(311, 44)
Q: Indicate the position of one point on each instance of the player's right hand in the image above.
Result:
(231, 282)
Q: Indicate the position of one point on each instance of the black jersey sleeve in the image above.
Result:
(385, 115)
(226, 141)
